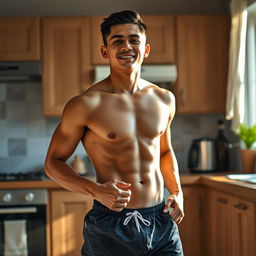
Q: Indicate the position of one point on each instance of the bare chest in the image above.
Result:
(121, 117)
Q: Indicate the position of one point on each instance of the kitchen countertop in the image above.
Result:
(219, 181)
(214, 180)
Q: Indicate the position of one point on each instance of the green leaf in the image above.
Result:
(247, 134)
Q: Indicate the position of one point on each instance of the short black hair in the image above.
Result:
(123, 17)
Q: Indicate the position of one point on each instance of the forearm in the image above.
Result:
(59, 171)
(170, 172)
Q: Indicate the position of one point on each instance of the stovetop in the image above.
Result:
(20, 176)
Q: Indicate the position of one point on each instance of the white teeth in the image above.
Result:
(126, 57)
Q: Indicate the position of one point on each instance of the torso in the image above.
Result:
(123, 140)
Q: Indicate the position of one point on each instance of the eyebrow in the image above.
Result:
(121, 36)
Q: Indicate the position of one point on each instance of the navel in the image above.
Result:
(112, 135)
(141, 182)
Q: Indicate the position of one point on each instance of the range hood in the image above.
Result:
(152, 73)
(20, 71)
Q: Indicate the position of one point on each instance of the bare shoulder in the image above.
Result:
(165, 95)
(81, 107)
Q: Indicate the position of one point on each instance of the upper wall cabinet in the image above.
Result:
(160, 35)
(66, 61)
(202, 58)
(19, 39)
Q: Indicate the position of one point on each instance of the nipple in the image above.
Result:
(111, 135)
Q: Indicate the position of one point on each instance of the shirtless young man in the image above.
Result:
(124, 125)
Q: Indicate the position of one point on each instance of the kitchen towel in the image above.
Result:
(15, 238)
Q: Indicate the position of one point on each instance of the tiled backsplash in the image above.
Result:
(25, 133)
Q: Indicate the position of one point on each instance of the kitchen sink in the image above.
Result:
(251, 178)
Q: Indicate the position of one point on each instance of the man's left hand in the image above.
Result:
(174, 205)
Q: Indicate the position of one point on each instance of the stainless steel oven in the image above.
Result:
(23, 222)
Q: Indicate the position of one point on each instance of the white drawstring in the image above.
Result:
(137, 216)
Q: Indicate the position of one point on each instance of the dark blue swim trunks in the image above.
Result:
(138, 232)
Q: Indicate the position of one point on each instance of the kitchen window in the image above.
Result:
(250, 71)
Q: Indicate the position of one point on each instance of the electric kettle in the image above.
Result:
(202, 156)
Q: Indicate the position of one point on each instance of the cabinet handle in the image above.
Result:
(222, 200)
(240, 207)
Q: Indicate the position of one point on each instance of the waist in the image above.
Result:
(97, 206)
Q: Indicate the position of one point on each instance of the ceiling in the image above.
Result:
(105, 7)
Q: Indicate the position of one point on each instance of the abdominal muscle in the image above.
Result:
(146, 188)
(147, 185)
(143, 172)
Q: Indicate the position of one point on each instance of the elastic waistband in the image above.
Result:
(144, 211)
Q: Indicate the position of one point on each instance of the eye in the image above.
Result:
(118, 42)
(135, 41)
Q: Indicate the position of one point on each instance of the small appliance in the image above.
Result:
(202, 155)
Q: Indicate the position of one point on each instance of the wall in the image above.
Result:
(25, 133)
(86, 7)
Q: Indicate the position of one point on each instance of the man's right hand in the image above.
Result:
(114, 194)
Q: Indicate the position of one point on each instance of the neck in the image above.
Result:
(126, 81)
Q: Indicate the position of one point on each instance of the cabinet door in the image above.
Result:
(219, 226)
(19, 39)
(243, 228)
(66, 70)
(68, 210)
(191, 226)
(160, 35)
(202, 58)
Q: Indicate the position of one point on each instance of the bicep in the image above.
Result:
(64, 141)
(68, 133)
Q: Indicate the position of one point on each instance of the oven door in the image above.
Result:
(33, 217)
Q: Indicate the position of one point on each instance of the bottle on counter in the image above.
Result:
(222, 148)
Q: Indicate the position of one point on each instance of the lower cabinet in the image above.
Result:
(232, 225)
(191, 227)
(67, 220)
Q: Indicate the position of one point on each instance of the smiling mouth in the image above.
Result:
(126, 57)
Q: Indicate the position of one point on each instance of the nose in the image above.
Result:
(126, 46)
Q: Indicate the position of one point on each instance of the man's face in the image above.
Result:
(126, 46)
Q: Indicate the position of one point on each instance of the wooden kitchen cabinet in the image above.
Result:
(68, 210)
(202, 59)
(191, 227)
(160, 35)
(19, 38)
(66, 61)
(232, 229)
(219, 223)
(243, 227)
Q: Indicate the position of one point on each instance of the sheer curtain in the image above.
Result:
(235, 90)
(250, 72)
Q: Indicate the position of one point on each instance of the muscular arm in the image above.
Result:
(170, 171)
(63, 143)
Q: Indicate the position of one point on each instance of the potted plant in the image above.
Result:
(248, 155)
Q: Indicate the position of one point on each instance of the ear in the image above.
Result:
(104, 51)
(147, 51)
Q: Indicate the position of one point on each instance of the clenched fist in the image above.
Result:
(114, 194)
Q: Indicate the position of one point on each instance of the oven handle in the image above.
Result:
(18, 210)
